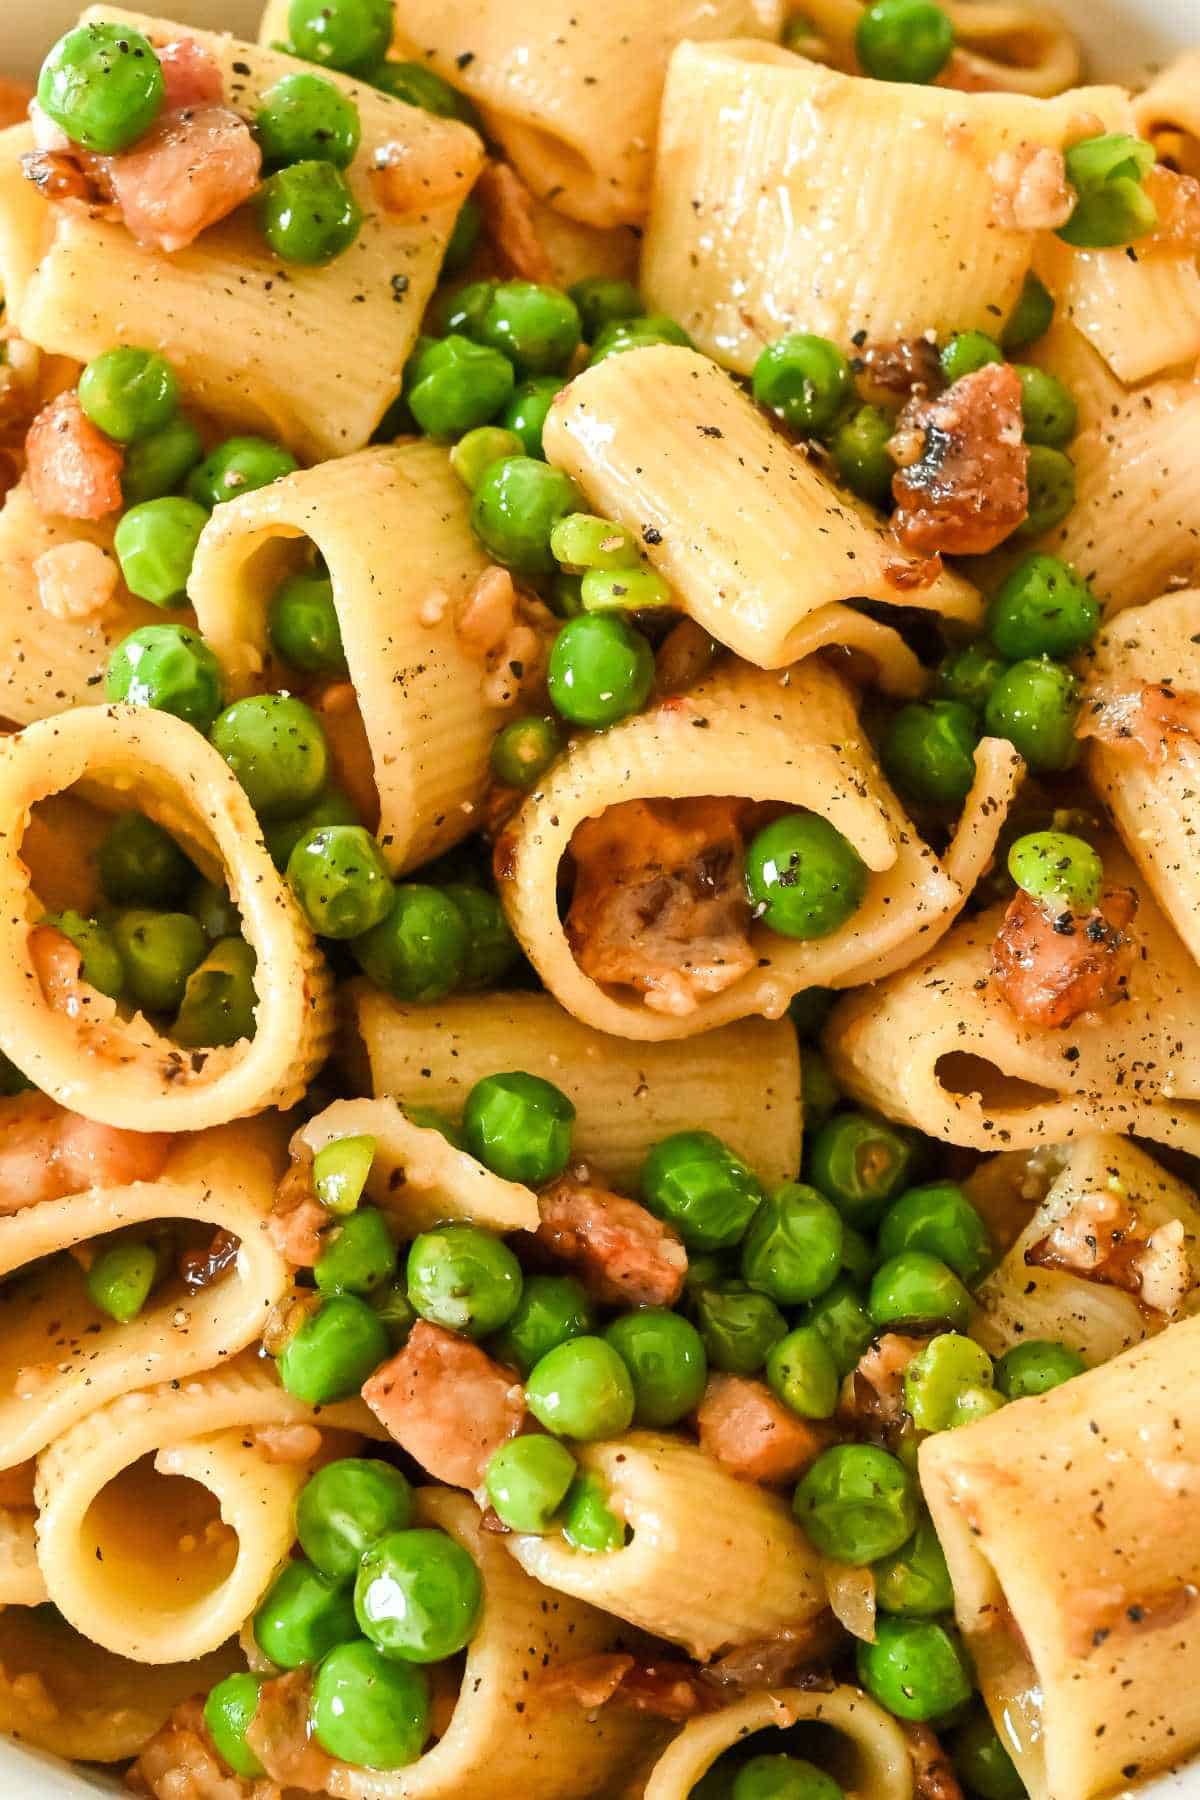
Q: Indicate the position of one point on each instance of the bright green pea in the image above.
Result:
(239, 466)
(581, 1389)
(1036, 1366)
(220, 998)
(464, 1279)
(904, 40)
(860, 1163)
(418, 85)
(140, 862)
(536, 327)
(802, 1373)
(464, 236)
(477, 450)
(1113, 207)
(666, 1362)
(103, 85)
(427, 1118)
(515, 508)
(738, 1327)
(155, 544)
(940, 1220)
(331, 807)
(302, 1616)
(527, 1481)
(552, 1308)
(860, 451)
(805, 381)
(914, 1582)
(915, 1668)
(949, 1382)
(1049, 412)
(588, 1522)
(929, 752)
(461, 311)
(968, 352)
(913, 1288)
(170, 668)
(357, 1254)
(418, 951)
(1058, 868)
(804, 879)
(228, 1710)
(303, 118)
(1031, 317)
(843, 1321)
(696, 1183)
(418, 1596)
(982, 1762)
(783, 1778)
(156, 464)
(624, 590)
(275, 746)
(819, 1090)
(308, 213)
(1043, 608)
(604, 300)
(351, 35)
(129, 393)
(857, 1503)
(969, 675)
(583, 541)
(344, 1507)
(367, 1710)
(303, 626)
(341, 881)
(102, 967)
(213, 910)
(334, 1351)
(392, 1304)
(601, 670)
(646, 332)
(491, 947)
(159, 951)
(1035, 705)
(519, 1126)
(1051, 478)
(340, 1170)
(566, 595)
(120, 1279)
(524, 749)
(793, 1247)
(457, 385)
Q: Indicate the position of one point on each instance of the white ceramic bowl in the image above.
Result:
(1123, 37)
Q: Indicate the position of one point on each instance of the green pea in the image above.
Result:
(464, 1279)
(526, 412)
(120, 1279)
(1036, 1366)
(102, 967)
(581, 1389)
(305, 119)
(340, 1170)
(527, 1481)
(341, 881)
(418, 1596)
(462, 311)
(643, 333)
(457, 385)
(220, 998)
(103, 85)
(583, 541)
(1113, 207)
(857, 1503)
(948, 1383)
(536, 327)
(308, 213)
(860, 451)
(738, 1327)
(1035, 705)
(819, 1090)
(351, 35)
(1058, 868)
(212, 909)
(904, 40)
(519, 1126)
(169, 668)
(624, 590)
(418, 951)
(156, 464)
(516, 506)
(804, 879)
(275, 746)
(464, 236)
(793, 1247)
(601, 670)
(929, 752)
(914, 1583)
(1051, 478)
(982, 1762)
(696, 1183)
(602, 300)
(803, 380)
(783, 1778)
(357, 1254)
(392, 1304)
(302, 1616)
(429, 1119)
(139, 861)
(523, 751)
(303, 626)
(915, 1668)
(1043, 608)
(969, 675)
(334, 1351)
(588, 1522)
(155, 544)
(858, 1255)
(331, 807)
(159, 951)
(345, 1507)
(477, 450)
(860, 1163)
(129, 393)
(843, 1321)
(552, 1308)
(367, 1710)
(566, 595)
(240, 465)
(940, 1220)
(914, 1288)
(1049, 412)
(802, 1373)
(1031, 317)
(968, 352)
(228, 1710)
(666, 1362)
(491, 947)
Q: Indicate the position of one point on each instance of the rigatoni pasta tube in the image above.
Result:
(236, 330)
(394, 529)
(627, 1095)
(1015, 47)
(21, 1582)
(1071, 1526)
(756, 1574)
(60, 1356)
(753, 538)
(120, 1071)
(1142, 314)
(1168, 112)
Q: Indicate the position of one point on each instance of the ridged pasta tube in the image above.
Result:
(122, 1072)
(1015, 47)
(21, 1582)
(1142, 314)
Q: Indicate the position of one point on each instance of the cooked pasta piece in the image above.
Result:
(122, 1072)
(627, 1095)
(1142, 314)
(236, 327)
(21, 1582)
(1016, 46)
(1069, 1524)
(393, 527)
(1168, 112)
(752, 537)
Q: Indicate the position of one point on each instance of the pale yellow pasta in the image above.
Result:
(393, 527)
(1018, 46)
(577, 252)
(60, 1356)
(251, 343)
(1065, 352)
(1069, 1525)
(792, 738)
(21, 1582)
(627, 1095)
(870, 1759)
(122, 1072)
(751, 535)
(1141, 313)
(789, 197)
(711, 1561)
(1168, 112)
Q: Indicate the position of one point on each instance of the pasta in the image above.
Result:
(999, 45)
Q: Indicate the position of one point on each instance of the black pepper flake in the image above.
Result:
(241, 68)
(650, 535)
(712, 431)
(399, 286)
(464, 59)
